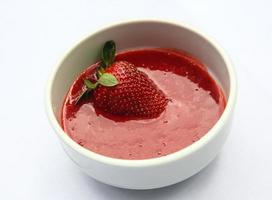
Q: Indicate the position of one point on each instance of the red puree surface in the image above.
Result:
(196, 103)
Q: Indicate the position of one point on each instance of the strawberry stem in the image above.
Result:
(100, 71)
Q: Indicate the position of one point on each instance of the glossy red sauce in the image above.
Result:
(196, 103)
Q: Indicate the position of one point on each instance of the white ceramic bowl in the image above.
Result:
(156, 172)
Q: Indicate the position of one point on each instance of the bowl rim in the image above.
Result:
(151, 161)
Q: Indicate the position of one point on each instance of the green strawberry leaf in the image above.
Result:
(108, 53)
(105, 79)
(108, 80)
(90, 85)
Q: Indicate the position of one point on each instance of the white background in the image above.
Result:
(33, 37)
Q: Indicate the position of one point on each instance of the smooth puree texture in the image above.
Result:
(196, 103)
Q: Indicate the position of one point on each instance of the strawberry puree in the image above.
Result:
(196, 103)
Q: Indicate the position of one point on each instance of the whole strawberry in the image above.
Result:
(135, 94)
(124, 90)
